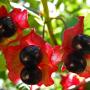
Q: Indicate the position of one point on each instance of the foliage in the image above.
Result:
(50, 23)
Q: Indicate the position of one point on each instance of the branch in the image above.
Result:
(48, 21)
(43, 30)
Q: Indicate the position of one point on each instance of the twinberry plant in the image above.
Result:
(76, 54)
(33, 60)
(12, 24)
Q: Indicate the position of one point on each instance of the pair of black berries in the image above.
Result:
(31, 56)
(75, 61)
(7, 28)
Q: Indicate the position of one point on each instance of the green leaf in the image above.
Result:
(87, 86)
(2, 62)
(3, 75)
(34, 4)
(6, 3)
(71, 22)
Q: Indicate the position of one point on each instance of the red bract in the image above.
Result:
(67, 48)
(70, 33)
(3, 11)
(20, 20)
(47, 66)
(68, 36)
(56, 56)
(71, 80)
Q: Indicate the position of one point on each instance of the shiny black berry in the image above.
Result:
(81, 42)
(7, 27)
(31, 76)
(75, 62)
(31, 55)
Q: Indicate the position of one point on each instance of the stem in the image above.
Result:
(58, 3)
(43, 30)
(48, 21)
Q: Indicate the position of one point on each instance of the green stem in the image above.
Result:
(48, 21)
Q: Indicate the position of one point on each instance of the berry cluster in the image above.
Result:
(7, 28)
(76, 56)
(37, 59)
(31, 56)
(11, 25)
(75, 61)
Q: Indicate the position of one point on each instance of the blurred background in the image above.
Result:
(63, 15)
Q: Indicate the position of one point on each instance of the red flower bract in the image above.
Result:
(19, 19)
(71, 80)
(67, 48)
(70, 33)
(15, 66)
(3, 12)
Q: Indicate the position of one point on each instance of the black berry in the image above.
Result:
(31, 55)
(7, 27)
(75, 62)
(81, 42)
(31, 76)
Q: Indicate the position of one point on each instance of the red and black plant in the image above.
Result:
(11, 24)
